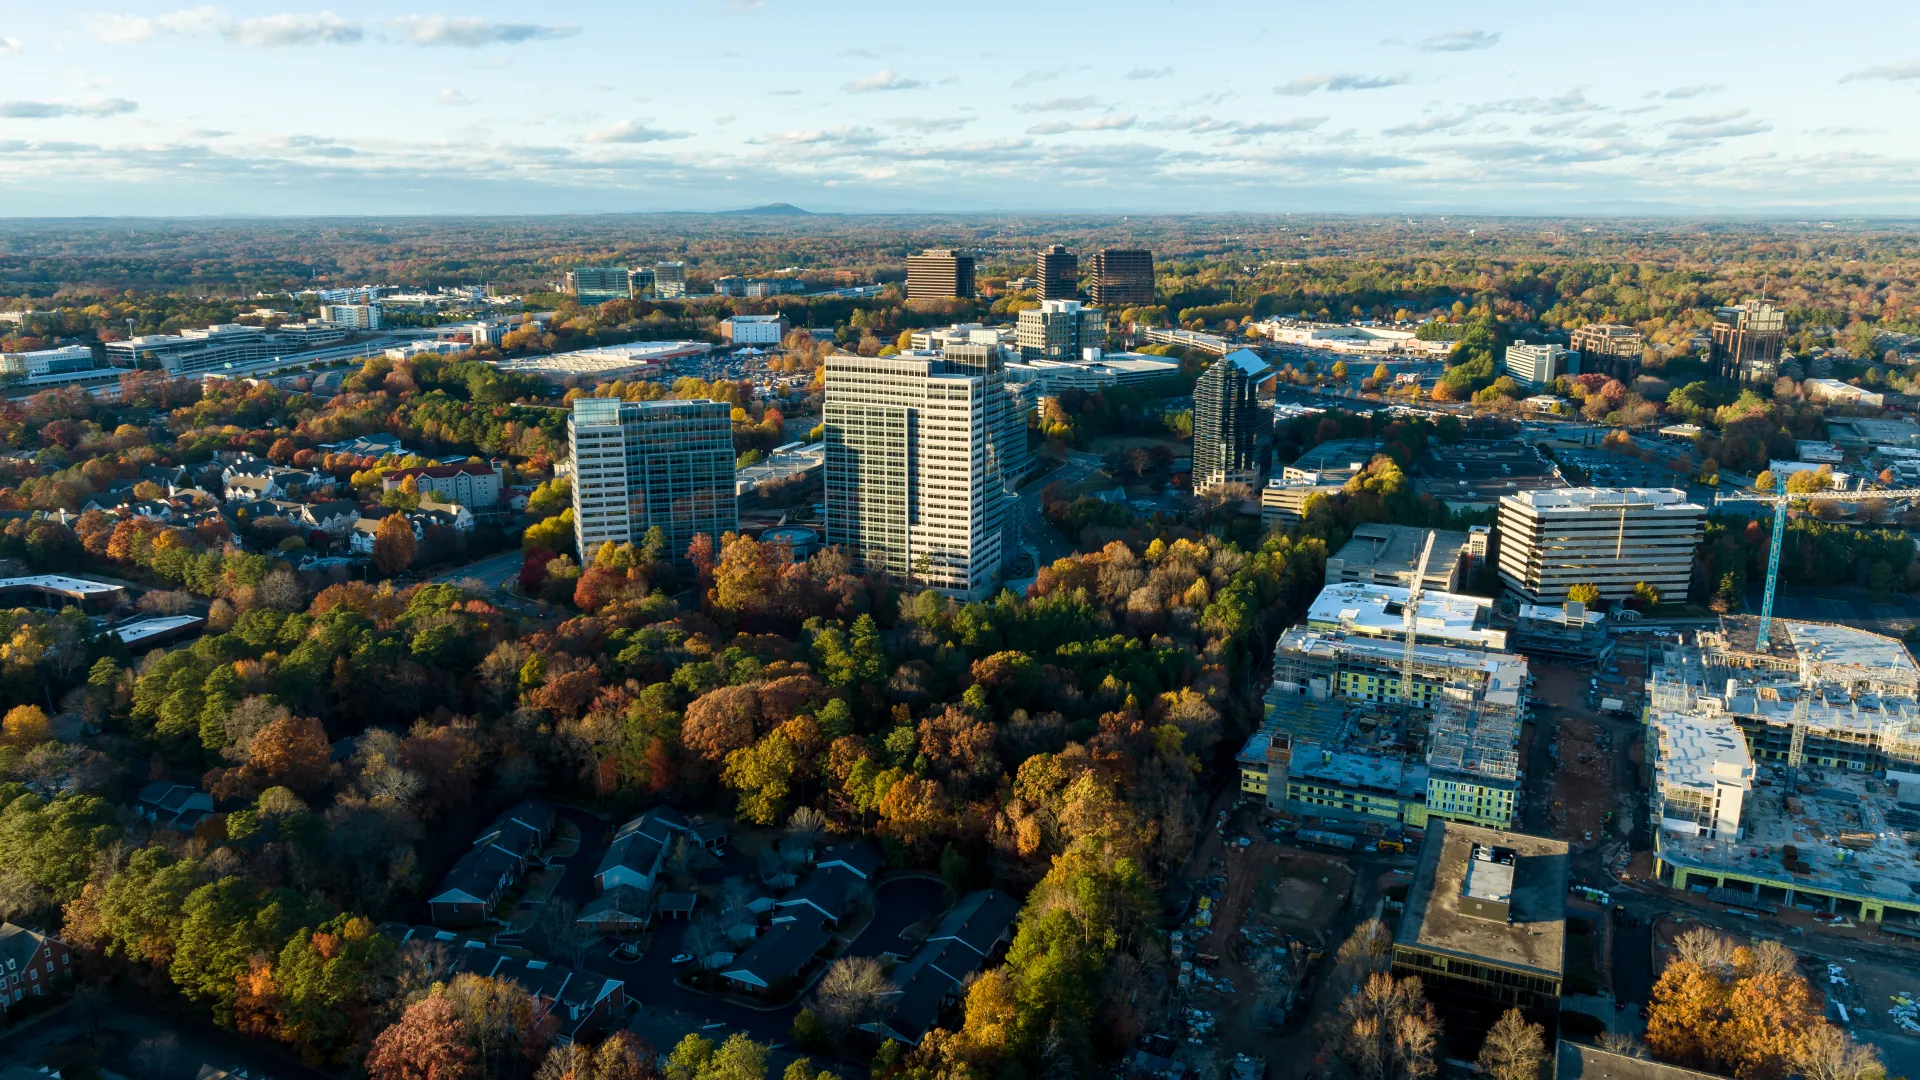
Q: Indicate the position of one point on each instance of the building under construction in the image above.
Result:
(1789, 775)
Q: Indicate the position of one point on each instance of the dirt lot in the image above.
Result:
(1582, 788)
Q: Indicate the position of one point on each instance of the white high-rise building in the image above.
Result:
(923, 452)
(638, 464)
(1539, 365)
(1610, 538)
(353, 316)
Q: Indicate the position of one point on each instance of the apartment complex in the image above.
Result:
(470, 484)
(599, 284)
(939, 274)
(192, 352)
(1539, 365)
(369, 316)
(1611, 538)
(923, 452)
(1060, 330)
(1745, 341)
(1058, 271)
(1117, 276)
(1232, 429)
(1786, 775)
(670, 280)
(642, 464)
(1609, 348)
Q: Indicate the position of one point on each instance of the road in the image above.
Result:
(496, 573)
(1040, 533)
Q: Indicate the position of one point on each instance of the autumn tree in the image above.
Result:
(1583, 593)
(428, 1042)
(1730, 1008)
(1514, 1049)
(26, 725)
(393, 544)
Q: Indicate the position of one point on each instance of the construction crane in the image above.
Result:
(1412, 613)
(1780, 528)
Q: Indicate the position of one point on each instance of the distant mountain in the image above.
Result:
(778, 209)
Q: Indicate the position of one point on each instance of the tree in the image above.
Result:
(1764, 481)
(1828, 1053)
(393, 543)
(1366, 951)
(1583, 594)
(1390, 1031)
(1648, 595)
(47, 847)
(428, 1042)
(1514, 1049)
(328, 980)
(26, 725)
(851, 993)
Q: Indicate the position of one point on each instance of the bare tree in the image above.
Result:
(1390, 1032)
(704, 937)
(159, 1056)
(1366, 951)
(165, 602)
(1514, 1049)
(852, 992)
(734, 896)
(1827, 1053)
(560, 934)
(1617, 1042)
(1772, 958)
(282, 591)
(1713, 952)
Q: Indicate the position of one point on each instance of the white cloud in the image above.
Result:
(632, 131)
(882, 81)
(1900, 72)
(9, 46)
(929, 125)
(267, 31)
(1072, 104)
(472, 33)
(1334, 84)
(55, 110)
(1150, 73)
(1684, 93)
(783, 93)
(450, 96)
(1460, 41)
(1109, 122)
(1731, 124)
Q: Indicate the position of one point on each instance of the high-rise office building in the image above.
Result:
(1610, 538)
(922, 457)
(1232, 429)
(939, 274)
(353, 316)
(1116, 276)
(640, 281)
(1745, 340)
(1059, 272)
(670, 280)
(599, 284)
(1539, 365)
(638, 464)
(1060, 330)
(1610, 349)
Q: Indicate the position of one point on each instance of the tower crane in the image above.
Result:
(1780, 502)
(1412, 614)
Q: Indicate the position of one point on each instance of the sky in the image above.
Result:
(1631, 107)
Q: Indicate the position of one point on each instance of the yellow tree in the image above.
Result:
(393, 544)
(26, 725)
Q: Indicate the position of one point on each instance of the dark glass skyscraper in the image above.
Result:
(1232, 430)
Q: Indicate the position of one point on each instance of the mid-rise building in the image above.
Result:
(940, 274)
(1388, 554)
(1539, 365)
(1059, 273)
(1283, 502)
(1377, 610)
(1566, 632)
(1061, 330)
(32, 965)
(1485, 924)
(369, 316)
(1322, 665)
(670, 280)
(472, 484)
(962, 334)
(1119, 276)
(41, 362)
(218, 347)
(1745, 340)
(1232, 429)
(1612, 349)
(599, 284)
(1610, 538)
(754, 329)
(638, 465)
(923, 453)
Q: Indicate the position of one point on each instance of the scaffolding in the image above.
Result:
(1475, 737)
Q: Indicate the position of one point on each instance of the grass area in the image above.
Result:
(1679, 609)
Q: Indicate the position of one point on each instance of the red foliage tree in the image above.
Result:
(428, 1042)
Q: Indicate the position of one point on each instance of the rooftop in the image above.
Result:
(132, 633)
(1578, 1061)
(1582, 499)
(1699, 748)
(1367, 608)
(1501, 670)
(61, 583)
(1533, 941)
(613, 360)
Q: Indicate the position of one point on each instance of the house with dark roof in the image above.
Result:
(32, 965)
(581, 1003)
(470, 483)
(174, 806)
(828, 893)
(778, 957)
(622, 909)
(856, 856)
(377, 446)
(928, 983)
(641, 847)
(498, 859)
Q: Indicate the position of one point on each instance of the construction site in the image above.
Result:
(1787, 770)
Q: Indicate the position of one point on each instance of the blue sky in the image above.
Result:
(256, 108)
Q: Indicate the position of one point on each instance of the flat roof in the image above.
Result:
(1535, 938)
(1578, 1061)
(1846, 646)
(61, 583)
(1582, 499)
(1507, 671)
(1375, 609)
(604, 361)
(1697, 750)
(141, 629)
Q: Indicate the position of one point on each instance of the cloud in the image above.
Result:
(782, 93)
(1150, 73)
(55, 110)
(1207, 125)
(1280, 127)
(1072, 104)
(836, 138)
(1900, 72)
(930, 125)
(1459, 41)
(1037, 75)
(632, 131)
(1334, 84)
(9, 46)
(1731, 124)
(266, 31)
(450, 96)
(881, 81)
(1685, 93)
(1427, 125)
(1109, 122)
(466, 32)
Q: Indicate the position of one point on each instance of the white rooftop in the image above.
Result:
(1873, 654)
(1700, 748)
(135, 632)
(1378, 609)
(1580, 499)
(60, 582)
